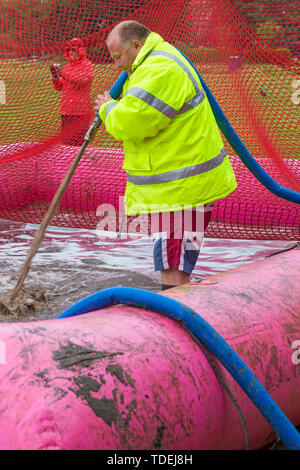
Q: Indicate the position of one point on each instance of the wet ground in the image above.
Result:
(73, 263)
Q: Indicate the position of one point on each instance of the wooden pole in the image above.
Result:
(114, 92)
(39, 235)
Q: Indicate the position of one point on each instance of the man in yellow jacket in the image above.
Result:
(175, 159)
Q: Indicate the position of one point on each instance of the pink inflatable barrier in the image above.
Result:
(16, 183)
(99, 179)
(127, 378)
(254, 205)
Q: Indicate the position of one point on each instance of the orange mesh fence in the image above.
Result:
(247, 53)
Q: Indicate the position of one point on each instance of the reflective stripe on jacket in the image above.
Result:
(174, 154)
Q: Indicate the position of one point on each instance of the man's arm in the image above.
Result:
(79, 76)
(149, 105)
(131, 119)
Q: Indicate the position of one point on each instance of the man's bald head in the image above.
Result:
(124, 43)
(128, 31)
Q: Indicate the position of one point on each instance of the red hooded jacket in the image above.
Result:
(75, 82)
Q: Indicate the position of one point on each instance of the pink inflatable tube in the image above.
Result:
(127, 378)
(16, 186)
(100, 180)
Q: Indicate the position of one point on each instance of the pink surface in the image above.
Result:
(125, 378)
(99, 179)
(254, 205)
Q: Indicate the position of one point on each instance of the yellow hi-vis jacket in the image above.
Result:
(174, 154)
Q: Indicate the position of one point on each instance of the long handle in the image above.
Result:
(115, 92)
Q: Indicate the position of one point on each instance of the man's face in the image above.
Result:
(74, 54)
(123, 56)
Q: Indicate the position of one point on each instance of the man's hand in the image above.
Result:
(101, 99)
(55, 70)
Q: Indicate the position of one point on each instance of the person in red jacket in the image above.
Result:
(74, 81)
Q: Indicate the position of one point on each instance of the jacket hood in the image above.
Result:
(77, 45)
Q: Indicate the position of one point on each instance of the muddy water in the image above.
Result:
(73, 263)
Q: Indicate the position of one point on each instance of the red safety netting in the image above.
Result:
(248, 54)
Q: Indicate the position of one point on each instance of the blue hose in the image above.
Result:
(263, 177)
(209, 337)
(114, 92)
(117, 87)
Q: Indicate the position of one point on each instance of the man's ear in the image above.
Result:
(136, 44)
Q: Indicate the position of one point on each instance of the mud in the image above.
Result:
(117, 371)
(72, 355)
(26, 305)
(104, 408)
(159, 436)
